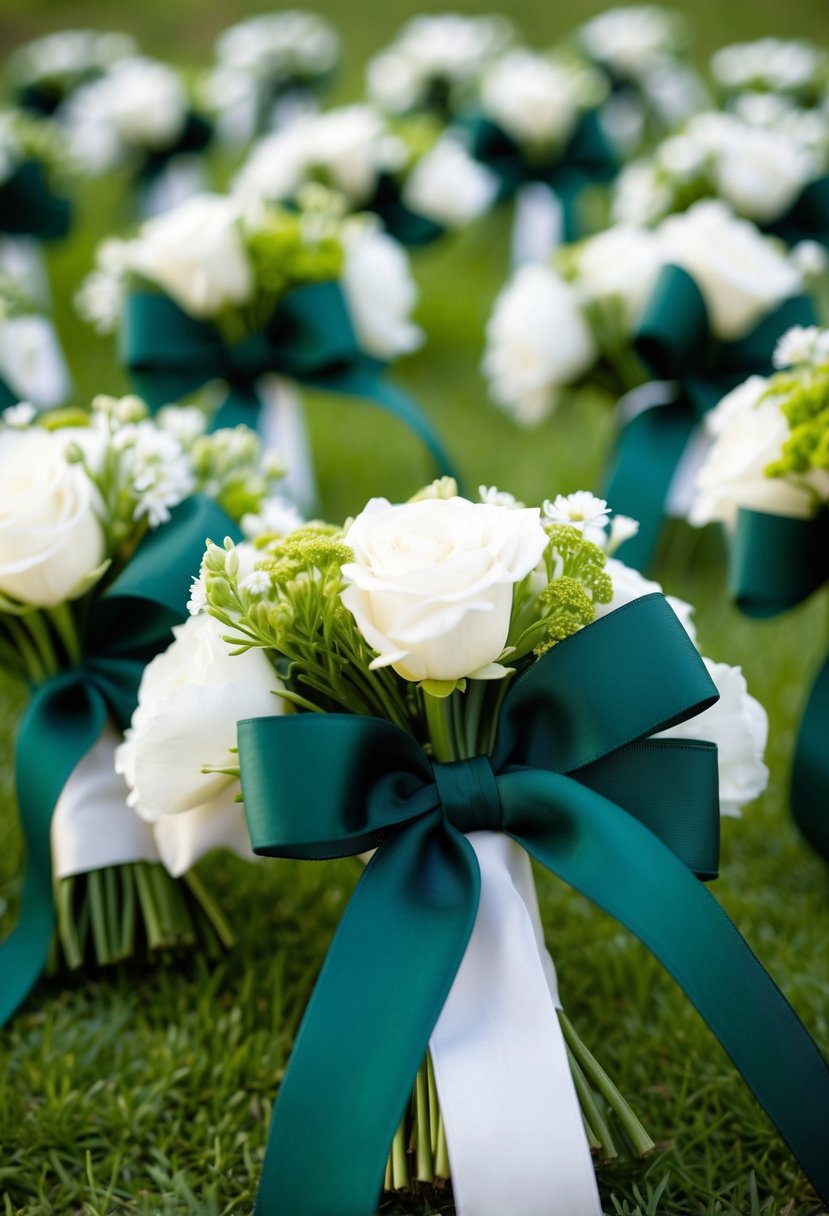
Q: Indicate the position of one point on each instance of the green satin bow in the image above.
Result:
(622, 818)
(407, 226)
(7, 397)
(195, 136)
(28, 207)
(587, 158)
(309, 338)
(674, 340)
(127, 626)
(776, 562)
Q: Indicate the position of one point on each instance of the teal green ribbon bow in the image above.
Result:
(29, 207)
(586, 158)
(309, 338)
(408, 227)
(127, 626)
(7, 397)
(195, 136)
(675, 342)
(625, 819)
(775, 563)
(808, 217)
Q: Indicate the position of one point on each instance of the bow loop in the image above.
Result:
(469, 795)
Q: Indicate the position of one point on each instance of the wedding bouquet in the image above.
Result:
(31, 163)
(138, 118)
(32, 367)
(102, 516)
(535, 125)
(483, 680)
(769, 162)
(766, 478)
(260, 297)
(792, 68)
(642, 51)
(670, 318)
(45, 71)
(269, 70)
(418, 181)
(433, 63)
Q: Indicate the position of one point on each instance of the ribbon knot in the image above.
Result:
(469, 795)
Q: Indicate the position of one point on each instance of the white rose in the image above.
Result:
(195, 253)
(749, 434)
(190, 698)
(448, 186)
(31, 361)
(275, 167)
(761, 173)
(380, 293)
(741, 273)
(631, 38)
(538, 341)
(50, 537)
(739, 726)
(532, 99)
(431, 584)
(346, 144)
(623, 262)
(146, 102)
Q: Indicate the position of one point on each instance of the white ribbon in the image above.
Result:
(283, 429)
(514, 1128)
(31, 361)
(538, 225)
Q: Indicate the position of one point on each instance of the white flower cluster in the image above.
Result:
(433, 59)
(280, 48)
(62, 60)
(631, 38)
(538, 99)
(197, 254)
(776, 65)
(540, 336)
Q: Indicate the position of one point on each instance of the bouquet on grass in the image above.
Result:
(139, 119)
(534, 123)
(418, 180)
(766, 478)
(260, 298)
(466, 684)
(768, 161)
(790, 68)
(669, 319)
(32, 367)
(47, 70)
(102, 517)
(269, 70)
(642, 50)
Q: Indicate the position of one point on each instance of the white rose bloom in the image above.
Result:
(623, 262)
(533, 99)
(146, 102)
(347, 145)
(275, 168)
(741, 273)
(448, 186)
(749, 434)
(190, 698)
(631, 37)
(50, 537)
(641, 194)
(196, 254)
(538, 341)
(739, 726)
(761, 173)
(31, 361)
(380, 292)
(431, 584)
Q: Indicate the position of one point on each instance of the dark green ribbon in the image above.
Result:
(7, 397)
(407, 226)
(675, 342)
(586, 158)
(808, 217)
(777, 562)
(309, 338)
(127, 626)
(575, 780)
(28, 206)
(195, 137)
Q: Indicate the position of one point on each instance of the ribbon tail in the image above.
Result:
(612, 859)
(367, 1025)
(284, 430)
(514, 1130)
(810, 774)
(649, 449)
(40, 775)
(538, 224)
(366, 383)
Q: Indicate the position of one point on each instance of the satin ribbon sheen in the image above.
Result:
(576, 781)
(777, 562)
(128, 625)
(309, 338)
(674, 340)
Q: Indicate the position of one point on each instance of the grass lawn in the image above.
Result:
(149, 1090)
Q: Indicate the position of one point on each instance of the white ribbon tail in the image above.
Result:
(514, 1130)
(283, 429)
(538, 225)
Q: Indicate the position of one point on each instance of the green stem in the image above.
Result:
(434, 1108)
(425, 1166)
(95, 895)
(126, 946)
(441, 1154)
(28, 653)
(66, 629)
(401, 1179)
(67, 927)
(149, 911)
(210, 908)
(39, 632)
(439, 726)
(590, 1110)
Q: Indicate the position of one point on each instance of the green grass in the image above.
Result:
(148, 1090)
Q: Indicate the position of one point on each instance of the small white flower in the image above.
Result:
(498, 498)
(258, 583)
(810, 258)
(198, 593)
(277, 516)
(801, 344)
(622, 528)
(19, 416)
(184, 422)
(582, 510)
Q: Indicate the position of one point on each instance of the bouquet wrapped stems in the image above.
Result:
(109, 915)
